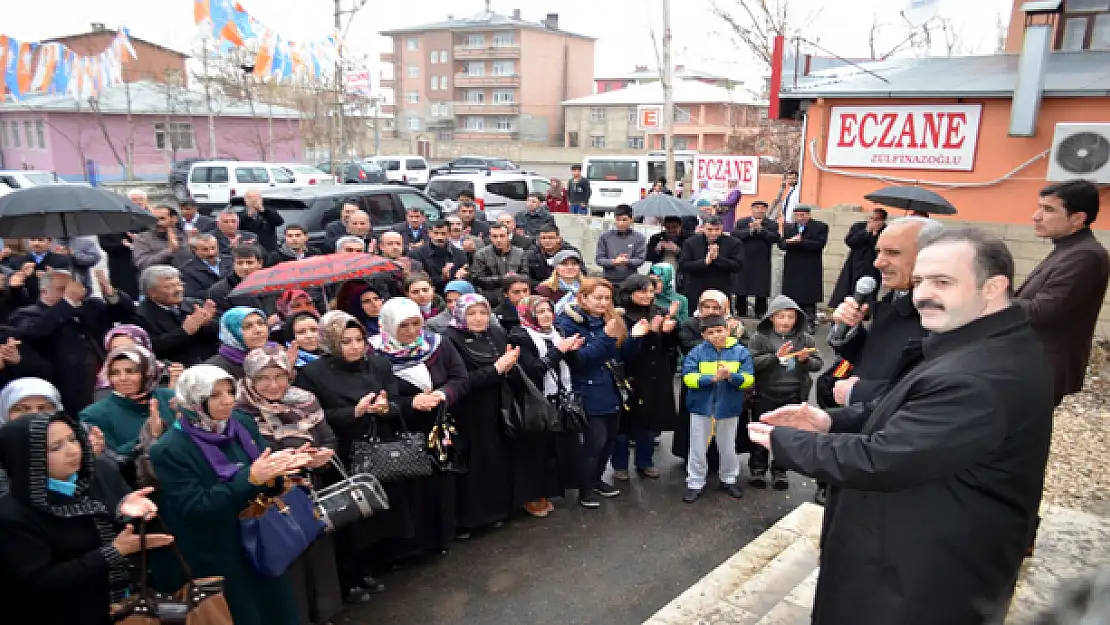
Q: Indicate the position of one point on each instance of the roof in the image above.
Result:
(1067, 74)
(685, 92)
(113, 33)
(150, 98)
(483, 21)
(685, 73)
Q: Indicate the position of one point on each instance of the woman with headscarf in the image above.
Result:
(291, 303)
(26, 396)
(63, 552)
(303, 328)
(137, 411)
(356, 391)
(288, 418)
(119, 336)
(671, 302)
(242, 329)
(211, 464)
(562, 287)
(485, 495)
(429, 374)
(544, 467)
(363, 301)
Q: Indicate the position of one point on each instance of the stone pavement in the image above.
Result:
(771, 581)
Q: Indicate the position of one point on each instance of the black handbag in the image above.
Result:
(529, 413)
(442, 445)
(351, 499)
(572, 410)
(624, 386)
(391, 461)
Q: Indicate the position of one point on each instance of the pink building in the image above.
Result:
(643, 75)
(142, 126)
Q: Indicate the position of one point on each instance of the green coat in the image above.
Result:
(202, 513)
(121, 419)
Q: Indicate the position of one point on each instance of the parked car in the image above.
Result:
(494, 191)
(213, 184)
(316, 207)
(410, 170)
(477, 163)
(306, 175)
(23, 178)
(179, 175)
(354, 172)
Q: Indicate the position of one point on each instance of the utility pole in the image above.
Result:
(668, 93)
(339, 84)
(208, 103)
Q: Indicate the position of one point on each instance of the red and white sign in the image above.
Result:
(938, 137)
(649, 117)
(358, 82)
(722, 172)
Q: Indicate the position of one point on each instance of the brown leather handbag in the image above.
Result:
(198, 602)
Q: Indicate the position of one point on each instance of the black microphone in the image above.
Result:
(865, 286)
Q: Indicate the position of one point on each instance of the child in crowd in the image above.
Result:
(716, 372)
(784, 355)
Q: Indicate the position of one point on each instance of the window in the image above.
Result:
(503, 97)
(3, 134)
(40, 133)
(444, 135)
(632, 116)
(282, 175)
(681, 115)
(413, 97)
(624, 170)
(27, 133)
(1075, 31)
(413, 71)
(512, 189)
(257, 175)
(434, 57)
(597, 141)
(474, 41)
(15, 134)
(475, 68)
(414, 122)
(435, 83)
(443, 56)
(503, 40)
(572, 139)
(381, 209)
(681, 144)
(1075, 6)
(1100, 33)
(412, 43)
(411, 200)
(597, 115)
(636, 143)
(503, 68)
(1086, 25)
(415, 164)
(475, 123)
(541, 186)
(435, 109)
(174, 136)
(443, 82)
(504, 123)
(475, 97)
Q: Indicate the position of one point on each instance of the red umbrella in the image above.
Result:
(316, 271)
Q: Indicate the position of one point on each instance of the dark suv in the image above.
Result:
(354, 172)
(317, 207)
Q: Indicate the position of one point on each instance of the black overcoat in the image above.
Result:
(755, 279)
(802, 273)
(860, 262)
(697, 277)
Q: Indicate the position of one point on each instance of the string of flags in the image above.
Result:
(276, 56)
(52, 68)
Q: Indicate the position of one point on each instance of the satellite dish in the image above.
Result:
(1083, 153)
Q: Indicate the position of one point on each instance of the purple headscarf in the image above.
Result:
(135, 333)
(458, 315)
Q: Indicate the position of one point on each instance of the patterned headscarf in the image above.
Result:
(149, 367)
(395, 312)
(526, 310)
(135, 333)
(294, 416)
(332, 326)
(294, 301)
(194, 387)
(458, 315)
(22, 388)
(231, 332)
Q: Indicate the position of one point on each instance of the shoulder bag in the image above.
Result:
(624, 386)
(275, 531)
(530, 414)
(198, 602)
(391, 461)
(572, 411)
(353, 498)
(443, 443)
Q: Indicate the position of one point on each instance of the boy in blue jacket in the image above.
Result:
(716, 372)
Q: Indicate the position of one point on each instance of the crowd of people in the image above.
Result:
(143, 391)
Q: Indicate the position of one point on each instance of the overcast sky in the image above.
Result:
(623, 27)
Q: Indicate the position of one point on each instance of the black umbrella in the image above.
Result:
(663, 205)
(62, 211)
(912, 199)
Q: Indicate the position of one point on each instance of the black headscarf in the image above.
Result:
(23, 452)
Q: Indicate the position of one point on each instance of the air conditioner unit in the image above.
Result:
(1080, 151)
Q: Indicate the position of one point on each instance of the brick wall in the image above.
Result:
(1027, 249)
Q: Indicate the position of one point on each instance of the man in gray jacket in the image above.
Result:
(534, 217)
(622, 250)
(496, 260)
(164, 244)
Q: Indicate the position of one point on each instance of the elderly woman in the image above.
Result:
(241, 329)
(211, 465)
(544, 467)
(356, 390)
(429, 374)
(63, 548)
(485, 490)
(288, 418)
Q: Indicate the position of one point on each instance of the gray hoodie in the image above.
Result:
(789, 379)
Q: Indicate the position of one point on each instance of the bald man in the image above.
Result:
(263, 223)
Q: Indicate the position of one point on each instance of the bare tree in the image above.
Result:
(754, 24)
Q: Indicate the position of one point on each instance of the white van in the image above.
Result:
(407, 169)
(623, 179)
(214, 183)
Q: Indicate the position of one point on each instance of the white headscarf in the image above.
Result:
(22, 388)
(407, 360)
(194, 387)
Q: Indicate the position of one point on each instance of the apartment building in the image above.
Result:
(643, 75)
(705, 117)
(490, 77)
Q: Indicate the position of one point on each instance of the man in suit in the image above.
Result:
(205, 268)
(1063, 294)
(337, 229)
(413, 232)
(192, 220)
(45, 255)
(181, 329)
(802, 271)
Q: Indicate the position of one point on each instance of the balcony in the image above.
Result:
(466, 80)
(475, 108)
(487, 52)
(387, 57)
(388, 83)
(389, 108)
(487, 134)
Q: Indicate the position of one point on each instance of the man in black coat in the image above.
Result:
(540, 260)
(666, 245)
(414, 232)
(262, 222)
(861, 240)
(443, 262)
(759, 235)
(191, 220)
(246, 259)
(206, 267)
(181, 329)
(802, 272)
(710, 260)
(295, 246)
(935, 487)
(45, 255)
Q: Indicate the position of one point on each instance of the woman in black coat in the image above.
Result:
(429, 374)
(484, 491)
(63, 549)
(356, 391)
(546, 466)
